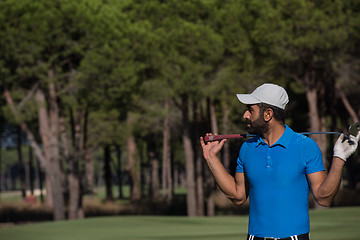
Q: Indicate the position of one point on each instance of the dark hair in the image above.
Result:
(279, 114)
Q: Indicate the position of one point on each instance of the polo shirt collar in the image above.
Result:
(284, 140)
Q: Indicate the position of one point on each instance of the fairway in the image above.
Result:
(326, 224)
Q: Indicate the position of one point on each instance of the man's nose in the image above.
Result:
(246, 114)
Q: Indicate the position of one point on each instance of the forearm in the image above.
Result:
(330, 186)
(233, 188)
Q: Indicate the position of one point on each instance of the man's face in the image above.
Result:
(254, 120)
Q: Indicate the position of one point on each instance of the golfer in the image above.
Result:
(277, 168)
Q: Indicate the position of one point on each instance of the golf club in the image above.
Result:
(353, 130)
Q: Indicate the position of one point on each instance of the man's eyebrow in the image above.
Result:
(249, 106)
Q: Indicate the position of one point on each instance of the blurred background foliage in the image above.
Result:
(106, 95)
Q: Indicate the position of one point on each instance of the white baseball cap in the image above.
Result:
(267, 93)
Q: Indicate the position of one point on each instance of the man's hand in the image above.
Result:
(211, 149)
(345, 147)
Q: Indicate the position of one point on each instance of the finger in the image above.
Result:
(352, 140)
(221, 144)
(202, 142)
(341, 138)
(358, 136)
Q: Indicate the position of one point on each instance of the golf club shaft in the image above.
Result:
(234, 136)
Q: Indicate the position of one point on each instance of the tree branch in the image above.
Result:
(24, 127)
(347, 104)
(29, 95)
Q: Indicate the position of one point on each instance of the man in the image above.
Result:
(277, 168)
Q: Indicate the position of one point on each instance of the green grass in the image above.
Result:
(10, 196)
(326, 224)
(335, 224)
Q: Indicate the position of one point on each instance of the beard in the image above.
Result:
(259, 126)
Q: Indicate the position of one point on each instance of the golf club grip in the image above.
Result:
(220, 137)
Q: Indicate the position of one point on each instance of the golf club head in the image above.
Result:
(354, 129)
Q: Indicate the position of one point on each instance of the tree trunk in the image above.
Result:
(89, 170)
(213, 120)
(189, 160)
(31, 171)
(74, 190)
(50, 157)
(57, 193)
(21, 163)
(118, 171)
(41, 180)
(75, 199)
(176, 177)
(86, 160)
(56, 174)
(45, 139)
(198, 162)
(133, 168)
(167, 184)
(154, 166)
(108, 174)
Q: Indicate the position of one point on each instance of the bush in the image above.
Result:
(23, 212)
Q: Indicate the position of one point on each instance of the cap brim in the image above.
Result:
(247, 99)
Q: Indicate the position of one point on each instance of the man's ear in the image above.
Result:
(268, 114)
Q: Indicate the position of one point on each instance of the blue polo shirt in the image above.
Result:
(279, 191)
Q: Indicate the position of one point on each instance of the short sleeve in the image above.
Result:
(240, 160)
(313, 157)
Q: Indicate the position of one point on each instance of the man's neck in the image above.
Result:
(274, 133)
